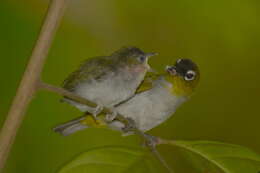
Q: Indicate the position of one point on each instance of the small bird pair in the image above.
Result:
(125, 83)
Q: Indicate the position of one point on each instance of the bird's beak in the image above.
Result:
(148, 55)
(171, 70)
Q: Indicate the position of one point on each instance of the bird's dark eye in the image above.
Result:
(142, 58)
(190, 75)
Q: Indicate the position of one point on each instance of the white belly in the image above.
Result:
(150, 108)
(109, 91)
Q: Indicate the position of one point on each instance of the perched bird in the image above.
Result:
(108, 80)
(155, 100)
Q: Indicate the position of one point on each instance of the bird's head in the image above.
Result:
(184, 76)
(133, 57)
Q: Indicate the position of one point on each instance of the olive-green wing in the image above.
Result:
(93, 68)
(147, 83)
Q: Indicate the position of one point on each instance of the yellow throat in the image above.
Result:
(180, 87)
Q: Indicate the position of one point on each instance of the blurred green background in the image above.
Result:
(222, 36)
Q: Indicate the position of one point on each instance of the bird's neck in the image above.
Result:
(178, 86)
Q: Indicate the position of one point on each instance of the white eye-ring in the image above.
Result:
(190, 75)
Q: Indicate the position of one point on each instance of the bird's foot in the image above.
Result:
(151, 141)
(110, 117)
(130, 125)
(97, 110)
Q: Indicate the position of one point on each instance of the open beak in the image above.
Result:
(171, 70)
(148, 55)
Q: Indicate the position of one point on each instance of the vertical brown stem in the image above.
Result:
(28, 84)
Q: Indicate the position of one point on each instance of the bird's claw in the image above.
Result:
(151, 141)
(130, 125)
(97, 111)
(110, 117)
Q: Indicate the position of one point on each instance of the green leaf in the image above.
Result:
(219, 156)
(113, 159)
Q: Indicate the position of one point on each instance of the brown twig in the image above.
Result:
(30, 83)
(76, 98)
(28, 87)
(157, 154)
(120, 117)
(154, 141)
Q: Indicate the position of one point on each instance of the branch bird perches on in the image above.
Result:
(147, 138)
(28, 85)
(31, 83)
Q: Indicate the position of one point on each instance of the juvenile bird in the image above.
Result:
(155, 101)
(108, 80)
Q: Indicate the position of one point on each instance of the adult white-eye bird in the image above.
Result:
(108, 80)
(155, 101)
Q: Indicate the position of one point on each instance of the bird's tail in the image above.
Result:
(71, 127)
